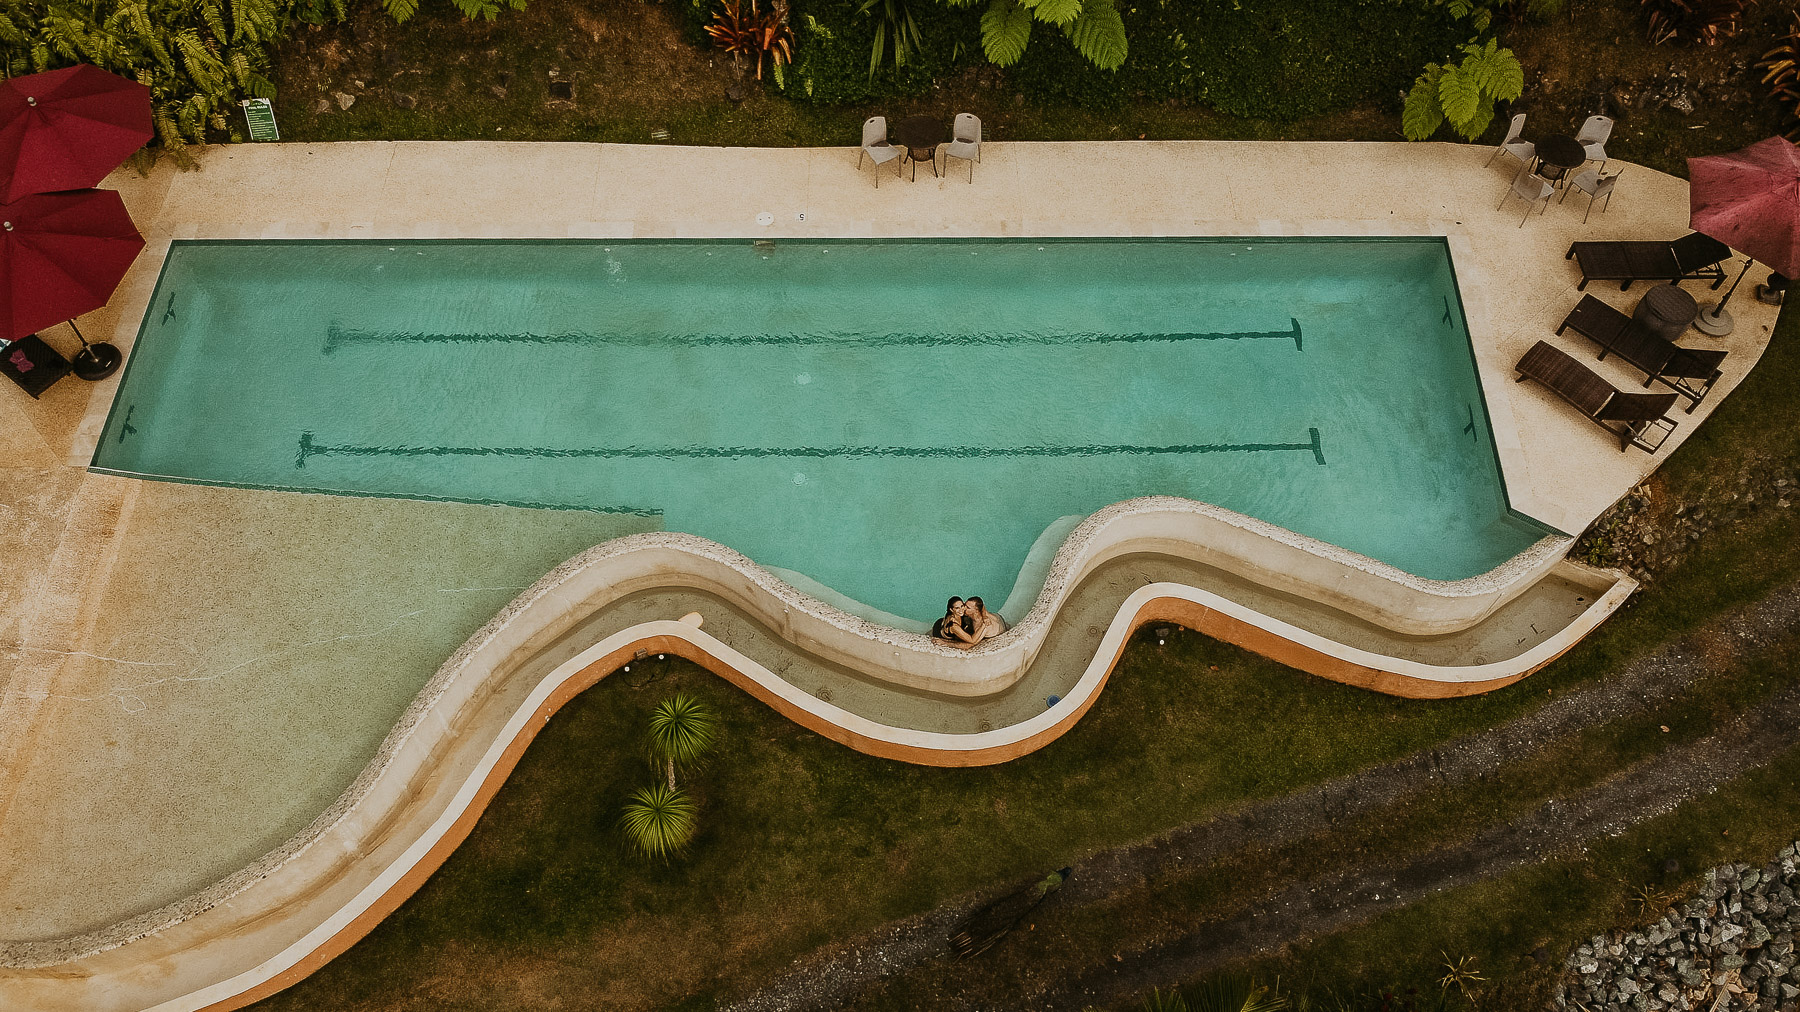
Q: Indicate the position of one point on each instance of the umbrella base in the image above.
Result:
(97, 361)
(1714, 321)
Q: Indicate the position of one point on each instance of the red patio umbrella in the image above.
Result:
(1749, 200)
(66, 129)
(61, 255)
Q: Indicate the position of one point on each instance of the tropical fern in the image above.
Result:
(198, 57)
(1464, 94)
(1094, 26)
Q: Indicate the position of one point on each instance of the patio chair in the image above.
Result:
(1531, 188)
(1595, 186)
(965, 142)
(1694, 255)
(1690, 372)
(1523, 150)
(1592, 137)
(875, 145)
(1638, 420)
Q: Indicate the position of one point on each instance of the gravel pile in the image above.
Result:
(1730, 949)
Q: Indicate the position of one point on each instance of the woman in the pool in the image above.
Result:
(968, 623)
(957, 625)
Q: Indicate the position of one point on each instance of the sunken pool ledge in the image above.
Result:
(272, 923)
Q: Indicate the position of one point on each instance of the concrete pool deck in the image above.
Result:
(92, 637)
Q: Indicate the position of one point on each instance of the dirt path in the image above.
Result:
(834, 976)
(1332, 903)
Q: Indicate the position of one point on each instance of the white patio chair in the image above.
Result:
(965, 141)
(1531, 188)
(875, 145)
(1523, 150)
(1595, 186)
(1592, 138)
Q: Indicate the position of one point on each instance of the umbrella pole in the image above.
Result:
(94, 361)
(1714, 321)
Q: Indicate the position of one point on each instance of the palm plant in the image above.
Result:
(681, 731)
(1229, 993)
(1157, 1001)
(1462, 975)
(1235, 993)
(659, 820)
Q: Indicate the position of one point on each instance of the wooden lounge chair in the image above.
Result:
(1638, 420)
(1690, 372)
(1692, 256)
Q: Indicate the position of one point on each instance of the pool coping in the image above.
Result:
(439, 717)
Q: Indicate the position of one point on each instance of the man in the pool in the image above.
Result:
(968, 623)
(955, 623)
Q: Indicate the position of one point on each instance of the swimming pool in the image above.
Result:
(896, 420)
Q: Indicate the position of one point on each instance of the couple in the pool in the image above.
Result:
(966, 623)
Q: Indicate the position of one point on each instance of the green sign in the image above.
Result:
(260, 115)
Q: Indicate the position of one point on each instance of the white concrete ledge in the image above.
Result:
(274, 921)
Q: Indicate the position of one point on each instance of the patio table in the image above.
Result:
(920, 135)
(1557, 154)
(32, 364)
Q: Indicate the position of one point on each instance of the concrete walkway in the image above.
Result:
(134, 773)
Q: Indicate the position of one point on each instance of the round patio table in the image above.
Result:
(1557, 154)
(920, 135)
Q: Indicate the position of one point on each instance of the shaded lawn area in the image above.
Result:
(1519, 927)
(805, 841)
(634, 77)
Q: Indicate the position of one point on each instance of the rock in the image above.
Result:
(344, 99)
(1682, 104)
(405, 101)
(321, 107)
(497, 90)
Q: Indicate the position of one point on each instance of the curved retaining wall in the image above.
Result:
(275, 921)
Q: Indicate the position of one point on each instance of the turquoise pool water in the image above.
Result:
(898, 420)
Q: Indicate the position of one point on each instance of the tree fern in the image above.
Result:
(1464, 94)
(1099, 35)
(1005, 31)
(1055, 12)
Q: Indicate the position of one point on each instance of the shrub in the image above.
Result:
(1262, 59)
(198, 57)
(833, 41)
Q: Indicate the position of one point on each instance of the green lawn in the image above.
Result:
(805, 841)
